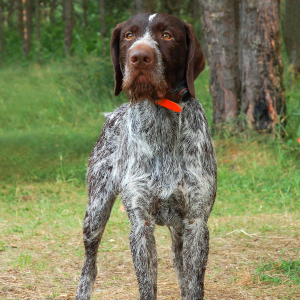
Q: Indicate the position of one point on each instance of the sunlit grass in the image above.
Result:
(280, 271)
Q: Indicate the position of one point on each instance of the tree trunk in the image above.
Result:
(52, 10)
(261, 69)
(27, 31)
(220, 32)
(37, 23)
(145, 6)
(68, 10)
(291, 27)
(173, 7)
(195, 9)
(20, 24)
(139, 6)
(103, 30)
(10, 13)
(84, 9)
(1, 28)
(151, 6)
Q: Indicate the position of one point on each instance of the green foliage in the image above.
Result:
(86, 37)
(292, 92)
(277, 272)
(293, 115)
(260, 177)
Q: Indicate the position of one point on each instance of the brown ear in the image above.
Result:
(195, 59)
(115, 53)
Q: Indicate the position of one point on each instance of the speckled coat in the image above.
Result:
(164, 166)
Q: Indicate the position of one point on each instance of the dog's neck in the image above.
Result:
(153, 133)
(154, 124)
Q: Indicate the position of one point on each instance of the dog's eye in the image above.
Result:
(129, 36)
(166, 36)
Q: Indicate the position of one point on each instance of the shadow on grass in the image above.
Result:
(45, 155)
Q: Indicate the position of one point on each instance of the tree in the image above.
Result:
(195, 9)
(20, 24)
(53, 6)
(261, 68)
(27, 22)
(10, 12)
(145, 6)
(219, 26)
(291, 26)
(68, 18)
(84, 9)
(244, 53)
(1, 28)
(37, 23)
(103, 30)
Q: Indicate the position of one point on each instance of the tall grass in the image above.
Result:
(50, 118)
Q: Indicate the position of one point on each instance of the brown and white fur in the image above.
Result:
(161, 162)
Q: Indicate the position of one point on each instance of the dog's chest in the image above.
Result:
(150, 147)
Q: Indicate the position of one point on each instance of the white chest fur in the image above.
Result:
(151, 138)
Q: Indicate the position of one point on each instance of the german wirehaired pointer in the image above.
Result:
(157, 152)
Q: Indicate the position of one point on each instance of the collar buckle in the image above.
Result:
(181, 91)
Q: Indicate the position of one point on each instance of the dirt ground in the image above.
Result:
(230, 274)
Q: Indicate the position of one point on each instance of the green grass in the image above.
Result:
(50, 119)
(51, 116)
(277, 272)
(47, 127)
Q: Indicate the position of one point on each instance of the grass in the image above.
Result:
(50, 118)
(42, 250)
(276, 272)
(47, 127)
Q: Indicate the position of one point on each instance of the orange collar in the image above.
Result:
(169, 104)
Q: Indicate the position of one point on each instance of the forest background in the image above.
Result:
(56, 79)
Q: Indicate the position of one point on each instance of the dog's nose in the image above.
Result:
(141, 58)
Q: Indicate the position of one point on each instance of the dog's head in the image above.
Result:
(152, 54)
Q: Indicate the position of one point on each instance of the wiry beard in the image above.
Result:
(147, 87)
(140, 91)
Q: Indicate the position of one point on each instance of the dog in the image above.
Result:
(157, 152)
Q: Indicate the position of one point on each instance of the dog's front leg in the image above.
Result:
(194, 254)
(139, 204)
(102, 195)
(143, 251)
(96, 217)
(177, 246)
(142, 241)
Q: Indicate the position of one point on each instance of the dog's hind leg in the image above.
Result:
(194, 254)
(96, 217)
(177, 245)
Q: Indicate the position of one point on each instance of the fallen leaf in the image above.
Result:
(122, 208)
